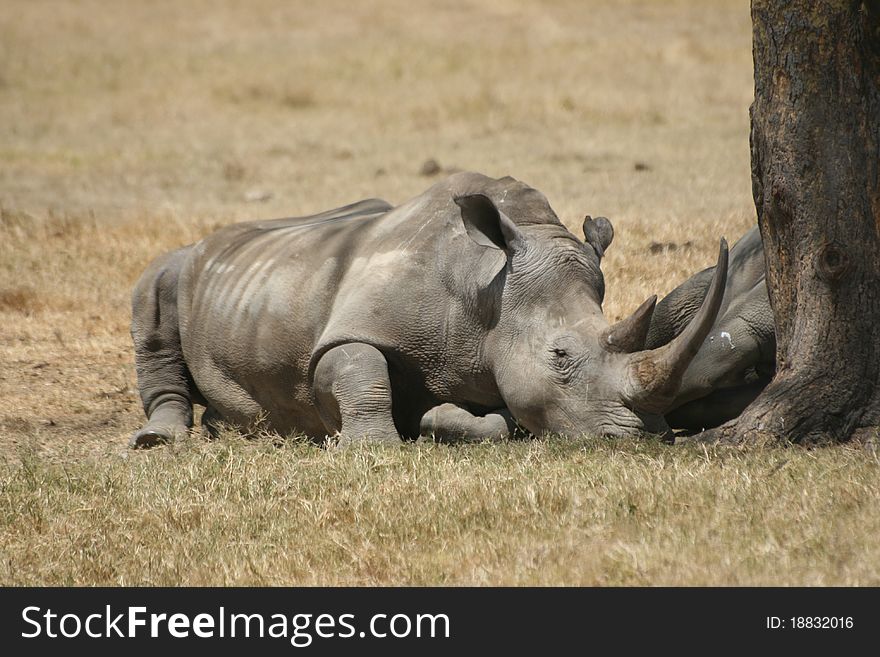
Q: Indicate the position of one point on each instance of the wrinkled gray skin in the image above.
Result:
(372, 322)
(737, 358)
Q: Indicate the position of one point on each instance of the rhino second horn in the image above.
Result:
(629, 335)
(655, 375)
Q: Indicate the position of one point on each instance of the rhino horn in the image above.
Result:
(629, 335)
(655, 375)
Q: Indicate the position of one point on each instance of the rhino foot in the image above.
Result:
(151, 437)
(167, 422)
(450, 423)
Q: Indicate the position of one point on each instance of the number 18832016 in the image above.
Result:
(810, 623)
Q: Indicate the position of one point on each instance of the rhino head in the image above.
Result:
(558, 364)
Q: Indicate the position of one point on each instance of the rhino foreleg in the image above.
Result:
(353, 394)
(451, 423)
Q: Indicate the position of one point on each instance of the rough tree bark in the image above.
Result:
(815, 149)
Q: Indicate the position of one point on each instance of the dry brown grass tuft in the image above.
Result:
(24, 300)
(132, 128)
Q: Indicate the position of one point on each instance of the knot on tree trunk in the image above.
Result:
(832, 263)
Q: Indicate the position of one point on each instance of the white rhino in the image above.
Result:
(738, 356)
(376, 323)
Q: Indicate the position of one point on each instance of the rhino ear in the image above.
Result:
(598, 232)
(486, 224)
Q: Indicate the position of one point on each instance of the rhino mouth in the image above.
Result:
(607, 419)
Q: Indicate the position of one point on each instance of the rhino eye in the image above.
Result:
(560, 358)
(562, 363)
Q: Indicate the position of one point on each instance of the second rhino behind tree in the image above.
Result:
(738, 357)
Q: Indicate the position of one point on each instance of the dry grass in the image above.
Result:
(131, 128)
(585, 512)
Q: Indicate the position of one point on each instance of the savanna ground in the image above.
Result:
(129, 128)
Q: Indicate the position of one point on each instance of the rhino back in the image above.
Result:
(251, 299)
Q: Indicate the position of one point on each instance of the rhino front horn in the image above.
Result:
(655, 375)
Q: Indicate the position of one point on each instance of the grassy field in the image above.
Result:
(131, 128)
(585, 512)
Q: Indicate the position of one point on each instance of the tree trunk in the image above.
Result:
(815, 147)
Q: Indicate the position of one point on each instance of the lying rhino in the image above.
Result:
(372, 322)
(738, 356)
